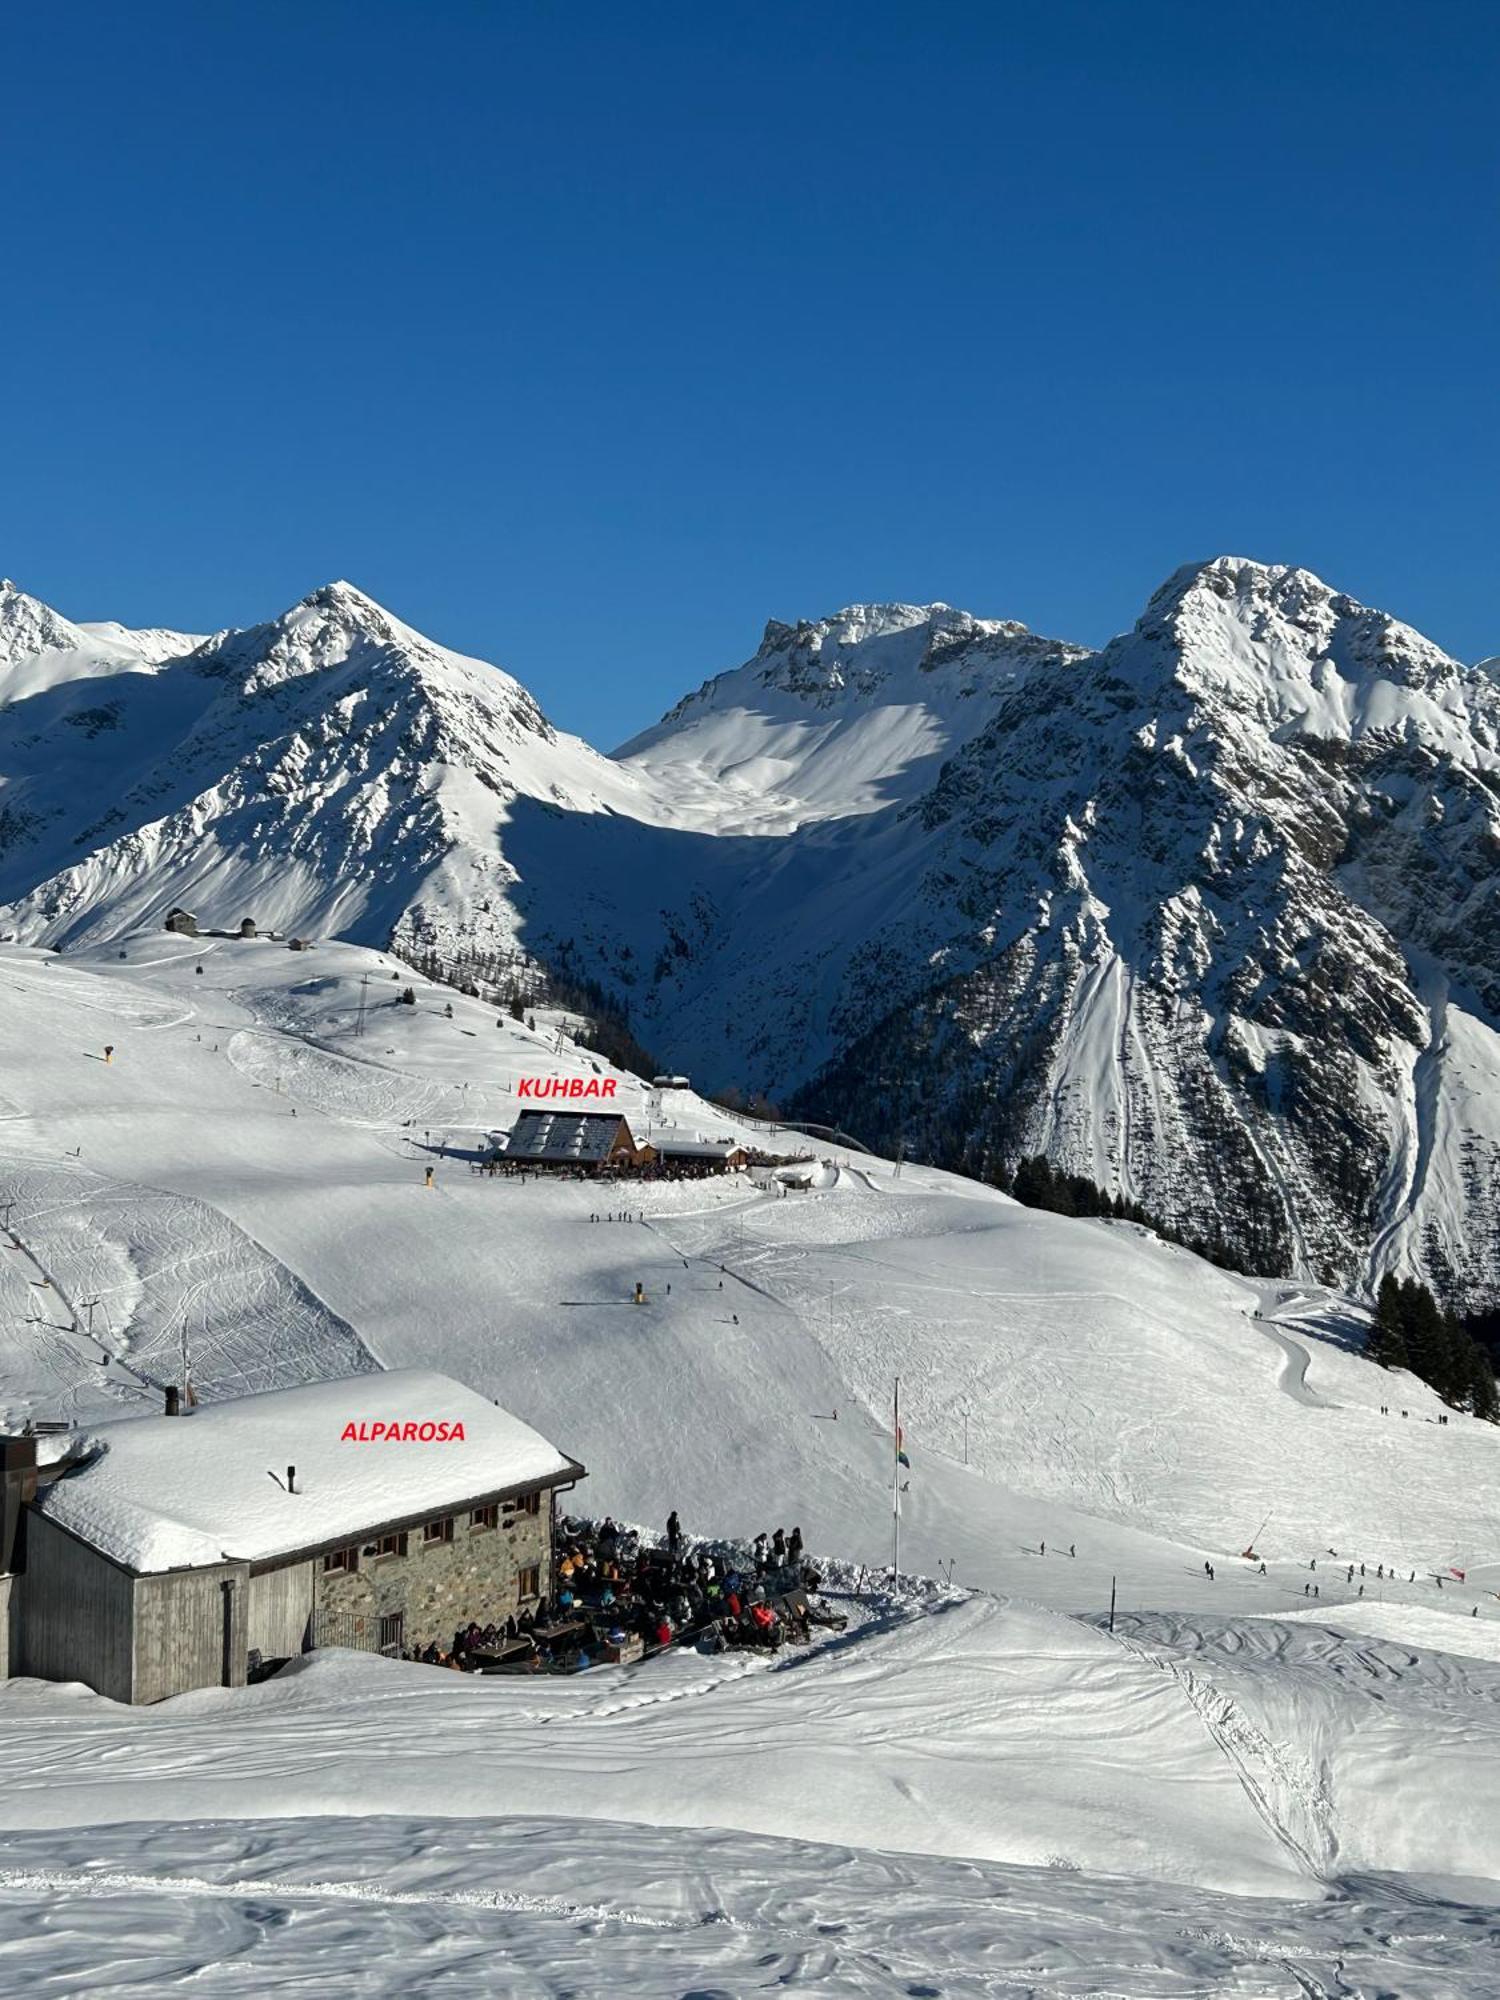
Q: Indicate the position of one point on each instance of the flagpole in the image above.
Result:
(896, 1483)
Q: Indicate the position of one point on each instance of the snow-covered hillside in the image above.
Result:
(973, 1776)
(1210, 916)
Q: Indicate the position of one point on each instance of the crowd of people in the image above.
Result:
(612, 1590)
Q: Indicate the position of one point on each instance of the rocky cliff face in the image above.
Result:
(1210, 916)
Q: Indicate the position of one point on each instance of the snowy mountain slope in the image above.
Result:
(1258, 955)
(1063, 1383)
(1121, 1393)
(1210, 916)
(839, 715)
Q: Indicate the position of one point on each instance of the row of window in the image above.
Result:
(439, 1530)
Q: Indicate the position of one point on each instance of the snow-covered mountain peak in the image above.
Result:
(40, 649)
(344, 644)
(1278, 647)
(840, 715)
(154, 644)
(862, 649)
(29, 627)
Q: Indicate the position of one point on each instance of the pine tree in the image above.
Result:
(1033, 1182)
(1484, 1395)
(1387, 1342)
(1455, 1383)
(1422, 1323)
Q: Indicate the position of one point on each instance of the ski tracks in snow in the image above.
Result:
(1287, 1793)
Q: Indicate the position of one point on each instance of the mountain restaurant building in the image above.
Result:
(151, 1555)
(593, 1141)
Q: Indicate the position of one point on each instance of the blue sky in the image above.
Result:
(588, 337)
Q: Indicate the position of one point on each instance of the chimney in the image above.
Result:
(291, 1479)
(174, 1400)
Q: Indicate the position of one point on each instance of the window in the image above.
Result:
(529, 1582)
(437, 1531)
(484, 1517)
(390, 1545)
(530, 1503)
(337, 1560)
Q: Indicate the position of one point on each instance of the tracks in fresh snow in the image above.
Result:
(1286, 1792)
(87, 1345)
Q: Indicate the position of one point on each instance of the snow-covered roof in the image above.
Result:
(565, 1135)
(159, 1493)
(698, 1149)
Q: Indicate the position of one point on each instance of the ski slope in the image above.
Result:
(249, 1166)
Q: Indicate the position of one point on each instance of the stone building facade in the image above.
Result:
(165, 1554)
(425, 1581)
